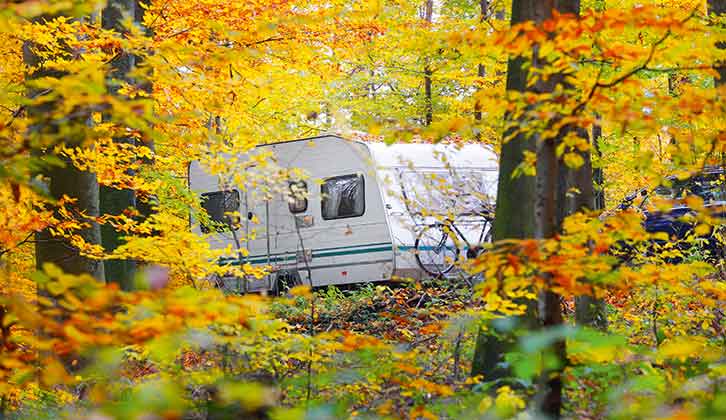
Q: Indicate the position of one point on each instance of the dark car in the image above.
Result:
(709, 185)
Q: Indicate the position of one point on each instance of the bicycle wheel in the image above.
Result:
(436, 251)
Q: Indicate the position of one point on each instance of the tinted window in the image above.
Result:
(343, 196)
(297, 201)
(219, 205)
(710, 187)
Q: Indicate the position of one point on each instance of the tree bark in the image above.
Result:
(82, 186)
(480, 71)
(551, 208)
(113, 200)
(515, 214)
(718, 7)
(515, 209)
(589, 310)
(597, 173)
(145, 204)
(549, 211)
(428, 73)
(65, 180)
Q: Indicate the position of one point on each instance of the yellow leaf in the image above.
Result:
(702, 229)
(301, 290)
(680, 348)
(573, 160)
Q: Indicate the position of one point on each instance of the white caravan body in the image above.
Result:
(357, 223)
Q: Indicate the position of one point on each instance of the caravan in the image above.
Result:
(354, 211)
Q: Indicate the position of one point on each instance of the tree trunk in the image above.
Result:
(65, 180)
(551, 208)
(82, 186)
(597, 173)
(515, 209)
(113, 200)
(515, 215)
(480, 71)
(589, 311)
(428, 73)
(718, 7)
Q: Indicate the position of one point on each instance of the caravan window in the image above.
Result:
(343, 196)
(219, 205)
(446, 191)
(297, 201)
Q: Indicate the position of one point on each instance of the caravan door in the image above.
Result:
(257, 240)
(292, 217)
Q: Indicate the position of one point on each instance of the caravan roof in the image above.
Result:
(421, 155)
(431, 155)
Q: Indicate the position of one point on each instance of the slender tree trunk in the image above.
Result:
(428, 73)
(480, 72)
(145, 204)
(718, 7)
(551, 208)
(589, 311)
(428, 101)
(113, 200)
(598, 174)
(65, 180)
(675, 82)
(549, 211)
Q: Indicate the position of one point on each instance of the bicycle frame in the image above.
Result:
(449, 228)
(451, 225)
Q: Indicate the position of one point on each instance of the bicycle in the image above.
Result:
(437, 245)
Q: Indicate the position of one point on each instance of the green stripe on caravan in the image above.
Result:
(317, 253)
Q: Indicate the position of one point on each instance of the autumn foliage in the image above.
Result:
(213, 79)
